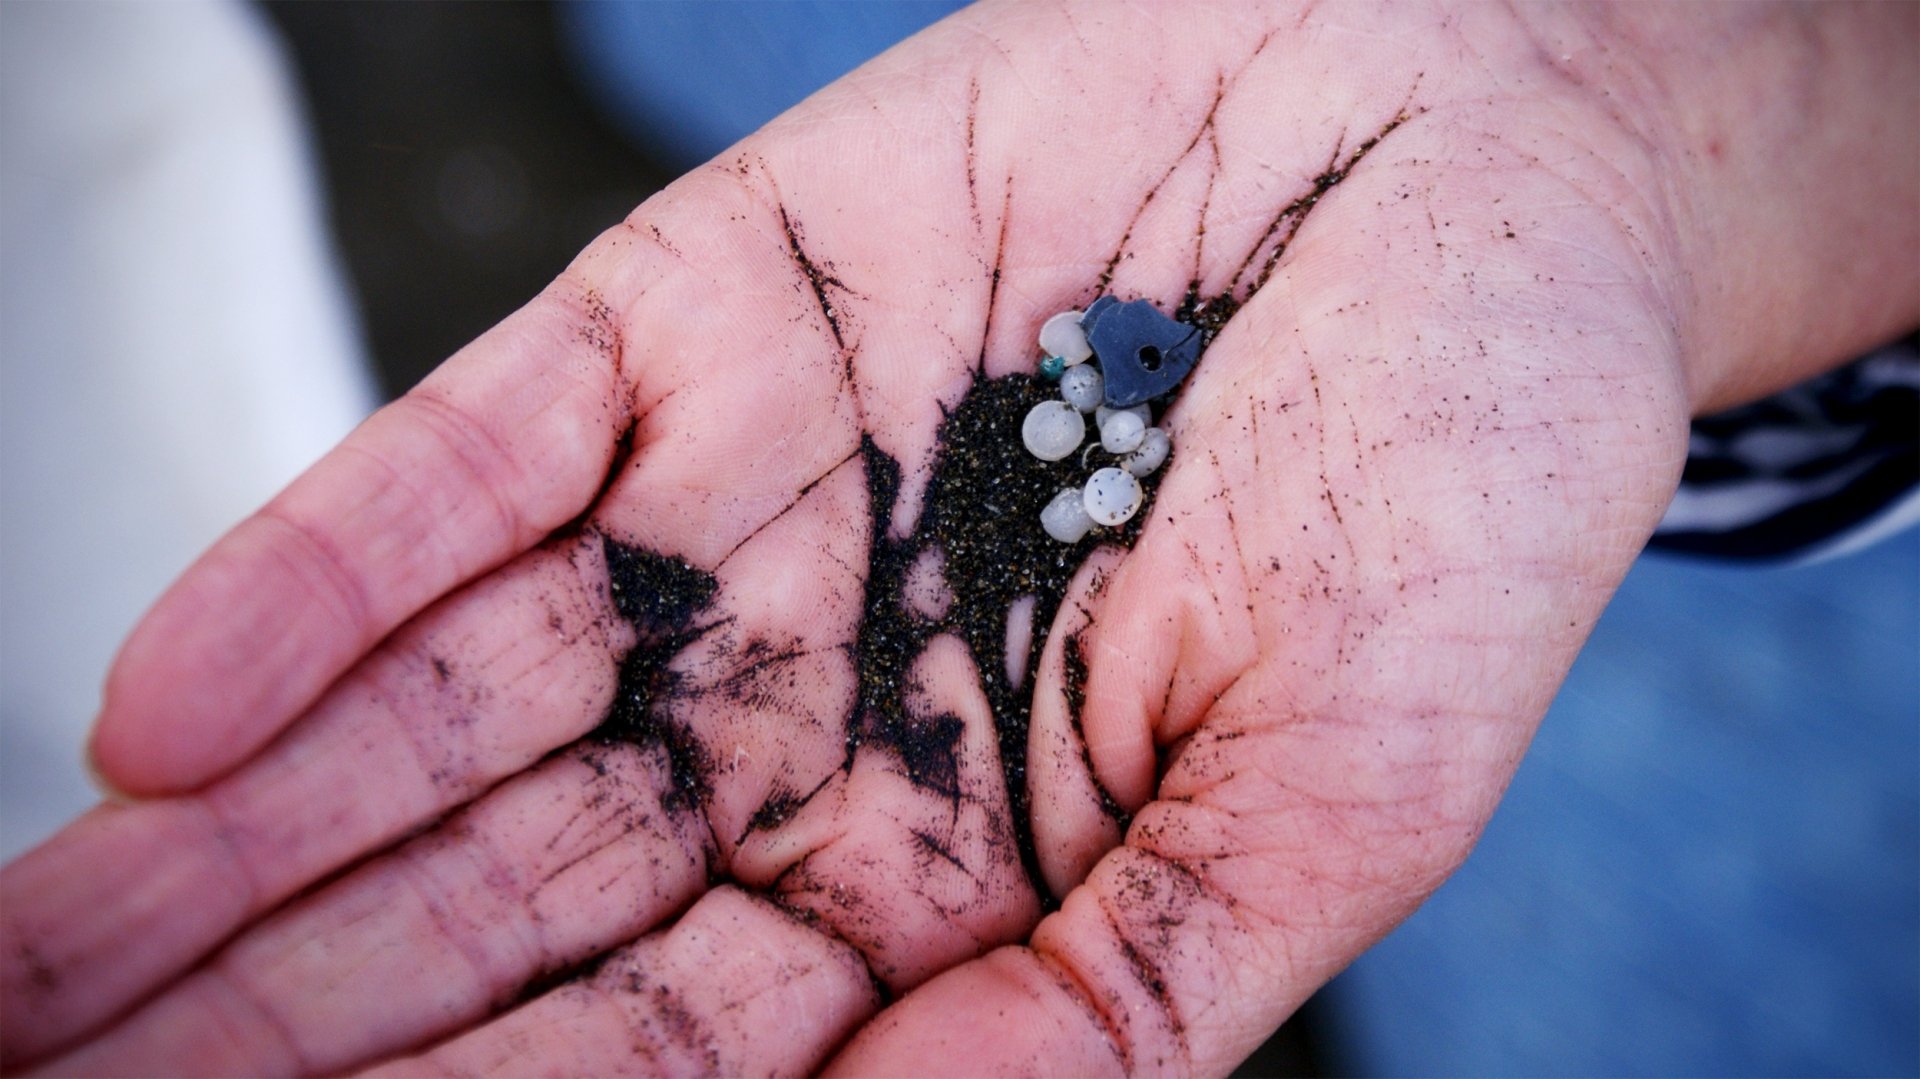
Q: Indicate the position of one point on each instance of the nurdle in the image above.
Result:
(1153, 451)
(1122, 433)
(1052, 430)
(1063, 336)
(1082, 386)
(1113, 496)
(1065, 517)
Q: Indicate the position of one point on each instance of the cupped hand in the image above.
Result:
(660, 687)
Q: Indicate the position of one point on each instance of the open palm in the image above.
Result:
(660, 686)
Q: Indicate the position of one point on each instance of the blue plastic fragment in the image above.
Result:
(1142, 352)
(1094, 311)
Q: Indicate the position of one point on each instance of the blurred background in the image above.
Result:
(228, 231)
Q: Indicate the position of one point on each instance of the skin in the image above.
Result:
(1407, 477)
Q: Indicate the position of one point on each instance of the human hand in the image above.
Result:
(1406, 476)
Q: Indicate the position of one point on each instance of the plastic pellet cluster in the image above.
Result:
(1153, 352)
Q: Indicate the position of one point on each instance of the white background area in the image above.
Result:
(175, 342)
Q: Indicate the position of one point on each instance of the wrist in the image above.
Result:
(1784, 140)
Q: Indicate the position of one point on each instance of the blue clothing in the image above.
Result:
(1709, 861)
(688, 78)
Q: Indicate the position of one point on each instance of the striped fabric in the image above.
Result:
(1826, 467)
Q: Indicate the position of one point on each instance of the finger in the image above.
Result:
(503, 445)
(1075, 818)
(510, 667)
(478, 688)
(1010, 1012)
(1276, 853)
(559, 865)
(1153, 672)
(1184, 949)
(738, 986)
(65, 969)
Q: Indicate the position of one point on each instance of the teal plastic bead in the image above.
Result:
(1052, 368)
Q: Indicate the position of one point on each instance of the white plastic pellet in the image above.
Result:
(1122, 432)
(1112, 496)
(1100, 415)
(1065, 518)
(1062, 336)
(1052, 430)
(1082, 386)
(1151, 453)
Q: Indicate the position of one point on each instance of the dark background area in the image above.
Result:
(464, 168)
